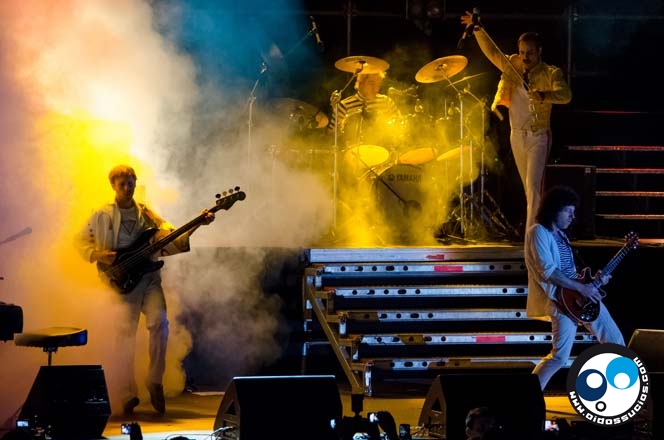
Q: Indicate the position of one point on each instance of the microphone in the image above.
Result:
(469, 28)
(314, 32)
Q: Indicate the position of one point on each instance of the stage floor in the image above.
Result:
(192, 415)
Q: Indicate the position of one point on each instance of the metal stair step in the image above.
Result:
(625, 148)
(381, 292)
(631, 216)
(629, 193)
(440, 268)
(629, 170)
(462, 338)
(435, 363)
(435, 315)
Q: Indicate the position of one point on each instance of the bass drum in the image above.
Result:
(407, 199)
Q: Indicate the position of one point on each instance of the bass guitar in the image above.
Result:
(134, 261)
(579, 307)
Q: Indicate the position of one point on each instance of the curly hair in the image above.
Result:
(553, 201)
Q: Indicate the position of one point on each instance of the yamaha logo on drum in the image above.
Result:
(411, 177)
(608, 384)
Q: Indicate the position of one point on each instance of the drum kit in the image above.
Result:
(407, 163)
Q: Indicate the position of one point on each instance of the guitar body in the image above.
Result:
(131, 264)
(575, 305)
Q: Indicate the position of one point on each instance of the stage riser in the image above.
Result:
(378, 317)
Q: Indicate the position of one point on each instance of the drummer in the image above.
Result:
(367, 116)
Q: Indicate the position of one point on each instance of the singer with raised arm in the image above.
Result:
(528, 88)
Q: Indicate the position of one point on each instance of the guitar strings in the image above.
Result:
(140, 253)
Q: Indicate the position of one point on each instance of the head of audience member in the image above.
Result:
(481, 424)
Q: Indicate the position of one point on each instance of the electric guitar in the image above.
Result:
(134, 261)
(579, 307)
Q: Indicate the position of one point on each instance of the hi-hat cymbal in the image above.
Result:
(362, 64)
(301, 113)
(441, 68)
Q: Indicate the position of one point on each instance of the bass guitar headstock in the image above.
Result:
(228, 199)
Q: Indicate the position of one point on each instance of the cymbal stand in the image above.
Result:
(335, 99)
(465, 218)
(490, 218)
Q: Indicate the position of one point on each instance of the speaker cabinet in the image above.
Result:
(67, 402)
(649, 345)
(516, 401)
(581, 178)
(293, 407)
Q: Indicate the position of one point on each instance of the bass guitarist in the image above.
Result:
(120, 225)
(550, 263)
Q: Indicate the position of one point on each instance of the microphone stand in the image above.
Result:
(506, 61)
(309, 33)
(13, 237)
(250, 105)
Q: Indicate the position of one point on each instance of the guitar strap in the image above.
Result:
(149, 216)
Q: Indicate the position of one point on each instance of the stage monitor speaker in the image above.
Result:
(515, 399)
(67, 402)
(292, 407)
(581, 178)
(649, 345)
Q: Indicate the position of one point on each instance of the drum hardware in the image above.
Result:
(301, 115)
(488, 223)
(354, 65)
(466, 78)
(471, 219)
(476, 216)
(361, 64)
(407, 197)
(441, 69)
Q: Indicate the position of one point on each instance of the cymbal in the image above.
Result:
(301, 113)
(441, 68)
(362, 64)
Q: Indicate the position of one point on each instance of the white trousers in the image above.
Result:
(563, 330)
(147, 298)
(531, 153)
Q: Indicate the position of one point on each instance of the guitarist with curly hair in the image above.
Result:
(551, 270)
(119, 237)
